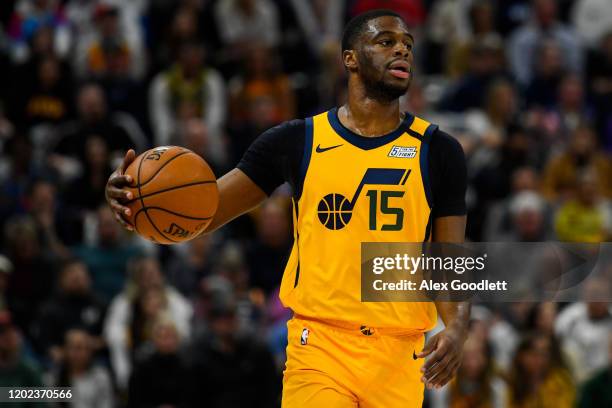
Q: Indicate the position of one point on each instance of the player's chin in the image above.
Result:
(396, 86)
(403, 83)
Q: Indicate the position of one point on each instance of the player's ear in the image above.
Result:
(349, 58)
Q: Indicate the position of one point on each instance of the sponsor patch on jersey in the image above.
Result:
(403, 152)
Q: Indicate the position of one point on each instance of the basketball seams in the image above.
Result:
(195, 183)
(144, 208)
(181, 179)
(159, 169)
(174, 213)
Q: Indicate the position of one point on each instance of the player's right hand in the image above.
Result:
(116, 195)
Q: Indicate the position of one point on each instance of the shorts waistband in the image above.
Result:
(363, 329)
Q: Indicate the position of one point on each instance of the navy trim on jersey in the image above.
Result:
(308, 140)
(423, 161)
(363, 142)
(297, 239)
(428, 228)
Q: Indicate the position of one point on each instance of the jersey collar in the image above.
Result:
(363, 142)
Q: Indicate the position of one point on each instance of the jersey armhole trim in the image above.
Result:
(308, 140)
(424, 163)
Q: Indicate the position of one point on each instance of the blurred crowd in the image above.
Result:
(524, 85)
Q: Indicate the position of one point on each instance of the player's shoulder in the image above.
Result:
(444, 140)
(442, 143)
(290, 128)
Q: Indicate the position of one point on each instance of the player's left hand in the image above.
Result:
(444, 351)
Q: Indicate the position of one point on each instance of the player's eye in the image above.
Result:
(386, 43)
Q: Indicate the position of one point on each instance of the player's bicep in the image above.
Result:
(449, 229)
(238, 194)
(450, 190)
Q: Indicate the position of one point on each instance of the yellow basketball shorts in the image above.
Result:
(332, 366)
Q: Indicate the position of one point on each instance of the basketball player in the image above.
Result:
(362, 172)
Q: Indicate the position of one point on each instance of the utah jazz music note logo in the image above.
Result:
(335, 210)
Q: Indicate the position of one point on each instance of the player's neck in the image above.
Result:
(369, 117)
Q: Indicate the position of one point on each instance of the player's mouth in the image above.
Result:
(400, 69)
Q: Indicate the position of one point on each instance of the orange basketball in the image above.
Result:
(175, 194)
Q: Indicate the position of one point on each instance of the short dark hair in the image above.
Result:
(356, 26)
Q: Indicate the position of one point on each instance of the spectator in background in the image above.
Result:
(195, 135)
(44, 81)
(262, 78)
(561, 172)
(489, 127)
(183, 27)
(597, 391)
(29, 17)
(447, 26)
(499, 219)
(223, 357)
(268, 255)
(539, 377)
(162, 378)
(186, 269)
(477, 384)
(523, 44)
(55, 227)
(591, 19)
(7, 128)
(542, 318)
(90, 383)
(6, 267)
(119, 130)
(87, 191)
(74, 305)
(109, 52)
(485, 65)
(19, 169)
(107, 257)
(583, 328)
(321, 23)
(571, 109)
(132, 314)
(249, 299)
(240, 22)
(15, 370)
(261, 114)
(33, 273)
(587, 217)
(46, 98)
(599, 87)
(528, 211)
(188, 89)
(261, 94)
(542, 91)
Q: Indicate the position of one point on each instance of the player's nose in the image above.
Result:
(401, 50)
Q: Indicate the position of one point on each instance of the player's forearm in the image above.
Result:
(237, 195)
(455, 315)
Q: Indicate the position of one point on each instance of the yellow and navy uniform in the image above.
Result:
(354, 191)
(350, 189)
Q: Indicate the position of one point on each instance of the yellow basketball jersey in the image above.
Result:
(357, 189)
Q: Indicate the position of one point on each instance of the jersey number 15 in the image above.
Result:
(385, 209)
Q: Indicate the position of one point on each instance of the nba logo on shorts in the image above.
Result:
(304, 338)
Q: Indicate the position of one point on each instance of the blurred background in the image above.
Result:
(525, 86)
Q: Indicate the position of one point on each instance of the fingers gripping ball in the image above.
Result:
(175, 194)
